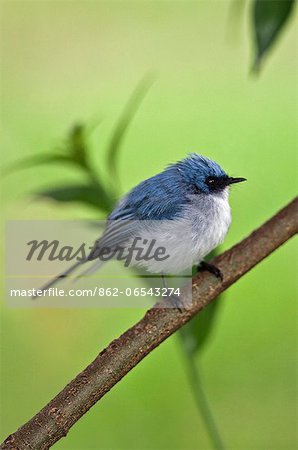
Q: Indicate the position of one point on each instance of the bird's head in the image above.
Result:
(205, 175)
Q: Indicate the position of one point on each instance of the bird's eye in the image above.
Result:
(210, 181)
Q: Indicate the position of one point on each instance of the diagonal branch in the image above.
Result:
(113, 363)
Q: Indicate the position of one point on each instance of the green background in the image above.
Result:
(64, 62)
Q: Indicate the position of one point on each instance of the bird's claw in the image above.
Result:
(175, 302)
(211, 268)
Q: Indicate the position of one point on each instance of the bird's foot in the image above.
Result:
(174, 301)
(210, 268)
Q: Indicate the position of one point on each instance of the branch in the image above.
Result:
(113, 363)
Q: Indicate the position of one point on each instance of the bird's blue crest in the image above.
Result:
(196, 168)
(165, 195)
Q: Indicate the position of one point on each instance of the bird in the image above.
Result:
(184, 208)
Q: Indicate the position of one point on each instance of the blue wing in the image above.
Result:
(162, 197)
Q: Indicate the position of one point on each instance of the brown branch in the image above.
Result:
(113, 363)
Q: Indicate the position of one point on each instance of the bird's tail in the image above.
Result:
(96, 265)
(67, 272)
(59, 277)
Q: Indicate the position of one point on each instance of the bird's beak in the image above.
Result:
(232, 180)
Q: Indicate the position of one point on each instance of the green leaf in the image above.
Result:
(123, 123)
(269, 18)
(76, 144)
(39, 159)
(91, 195)
(75, 152)
(196, 332)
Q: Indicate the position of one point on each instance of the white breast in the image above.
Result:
(211, 219)
(188, 240)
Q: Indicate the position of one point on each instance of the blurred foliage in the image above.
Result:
(122, 125)
(196, 332)
(193, 337)
(94, 193)
(269, 19)
(75, 152)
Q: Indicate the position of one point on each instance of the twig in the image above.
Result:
(113, 363)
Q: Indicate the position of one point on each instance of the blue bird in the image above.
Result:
(185, 207)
